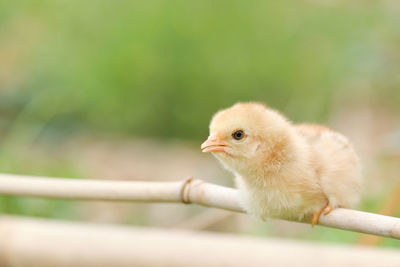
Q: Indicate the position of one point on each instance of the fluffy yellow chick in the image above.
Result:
(283, 170)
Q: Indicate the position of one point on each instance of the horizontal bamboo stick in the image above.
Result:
(188, 191)
(46, 243)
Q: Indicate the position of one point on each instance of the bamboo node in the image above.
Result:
(189, 184)
(185, 196)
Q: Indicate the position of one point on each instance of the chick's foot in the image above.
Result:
(326, 210)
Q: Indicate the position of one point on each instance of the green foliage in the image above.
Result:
(161, 68)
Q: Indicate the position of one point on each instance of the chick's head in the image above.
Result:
(243, 134)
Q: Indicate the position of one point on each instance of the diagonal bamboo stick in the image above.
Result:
(188, 191)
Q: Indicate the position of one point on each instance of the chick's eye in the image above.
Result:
(237, 135)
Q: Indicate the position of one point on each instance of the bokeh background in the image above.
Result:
(124, 90)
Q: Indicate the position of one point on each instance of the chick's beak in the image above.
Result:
(212, 144)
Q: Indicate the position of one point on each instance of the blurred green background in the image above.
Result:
(79, 79)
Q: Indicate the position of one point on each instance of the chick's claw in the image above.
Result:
(328, 209)
(325, 210)
(315, 218)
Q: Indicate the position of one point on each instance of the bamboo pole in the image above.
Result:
(188, 191)
(46, 243)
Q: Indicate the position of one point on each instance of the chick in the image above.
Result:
(282, 170)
